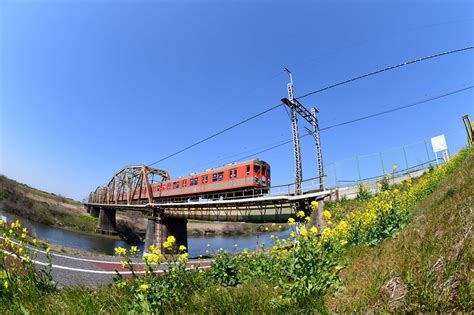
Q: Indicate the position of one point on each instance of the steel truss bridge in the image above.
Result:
(131, 189)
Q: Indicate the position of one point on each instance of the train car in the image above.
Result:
(251, 174)
(239, 178)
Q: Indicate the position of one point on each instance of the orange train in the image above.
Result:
(238, 178)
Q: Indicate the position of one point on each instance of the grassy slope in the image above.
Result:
(39, 206)
(427, 266)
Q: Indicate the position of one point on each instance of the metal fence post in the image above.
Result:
(381, 162)
(427, 153)
(358, 168)
(405, 154)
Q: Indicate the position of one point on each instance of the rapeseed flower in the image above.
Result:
(326, 215)
(144, 287)
(5, 285)
(182, 248)
(120, 251)
(314, 205)
(124, 263)
(291, 221)
(307, 219)
(313, 230)
(301, 214)
(171, 239)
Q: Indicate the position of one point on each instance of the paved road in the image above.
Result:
(86, 271)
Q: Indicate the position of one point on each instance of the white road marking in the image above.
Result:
(89, 270)
(84, 259)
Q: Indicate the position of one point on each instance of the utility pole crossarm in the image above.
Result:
(300, 109)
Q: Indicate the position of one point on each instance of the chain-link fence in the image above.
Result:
(407, 158)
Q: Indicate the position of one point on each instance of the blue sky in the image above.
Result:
(87, 87)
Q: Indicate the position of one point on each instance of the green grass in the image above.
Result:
(426, 267)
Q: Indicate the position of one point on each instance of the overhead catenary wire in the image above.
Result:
(426, 100)
(406, 63)
(311, 93)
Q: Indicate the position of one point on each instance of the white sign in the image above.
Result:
(439, 143)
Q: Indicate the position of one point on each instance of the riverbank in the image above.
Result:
(46, 208)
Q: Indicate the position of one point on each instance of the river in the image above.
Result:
(95, 243)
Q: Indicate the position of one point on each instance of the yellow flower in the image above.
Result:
(280, 227)
(327, 215)
(267, 229)
(34, 241)
(329, 222)
(379, 185)
(245, 251)
(171, 239)
(184, 257)
(313, 230)
(338, 267)
(273, 224)
(5, 284)
(120, 251)
(291, 221)
(167, 245)
(124, 263)
(201, 271)
(10, 231)
(25, 230)
(343, 242)
(133, 250)
(48, 250)
(307, 219)
(292, 234)
(182, 248)
(144, 287)
(20, 250)
(23, 235)
(314, 205)
(304, 232)
(301, 214)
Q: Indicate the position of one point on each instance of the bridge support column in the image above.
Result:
(159, 228)
(106, 223)
(94, 211)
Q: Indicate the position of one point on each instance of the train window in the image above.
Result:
(235, 173)
(264, 170)
(214, 177)
(230, 174)
(256, 168)
(268, 172)
(193, 181)
(248, 170)
(183, 183)
(204, 179)
(220, 176)
(175, 185)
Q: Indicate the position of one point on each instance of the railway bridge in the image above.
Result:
(131, 189)
(134, 188)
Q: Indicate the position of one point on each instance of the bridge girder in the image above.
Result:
(134, 180)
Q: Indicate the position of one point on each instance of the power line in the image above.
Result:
(386, 69)
(367, 117)
(217, 133)
(306, 95)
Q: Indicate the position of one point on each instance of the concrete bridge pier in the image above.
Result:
(159, 228)
(94, 211)
(106, 223)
